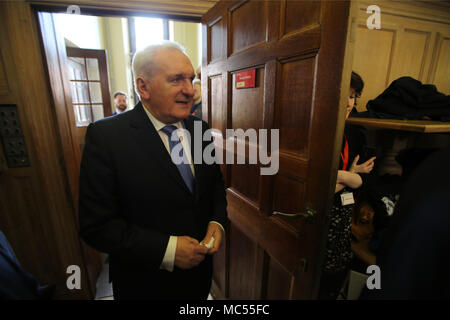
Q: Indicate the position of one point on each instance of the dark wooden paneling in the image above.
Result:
(245, 179)
(247, 113)
(37, 202)
(4, 86)
(248, 25)
(216, 113)
(291, 44)
(216, 33)
(217, 107)
(279, 282)
(246, 266)
(293, 112)
(178, 10)
(244, 214)
(293, 165)
(299, 15)
(20, 219)
(247, 104)
(289, 194)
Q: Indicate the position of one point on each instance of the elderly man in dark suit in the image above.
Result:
(152, 216)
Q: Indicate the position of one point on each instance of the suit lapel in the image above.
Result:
(150, 141)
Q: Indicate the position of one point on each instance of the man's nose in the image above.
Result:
(188, 88)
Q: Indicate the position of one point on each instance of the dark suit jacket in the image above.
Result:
(414, 257)
(132, 198)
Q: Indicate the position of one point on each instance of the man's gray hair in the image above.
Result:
(144, 60)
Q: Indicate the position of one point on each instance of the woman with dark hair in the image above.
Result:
(351, 176)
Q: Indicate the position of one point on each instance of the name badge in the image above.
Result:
(347, 198)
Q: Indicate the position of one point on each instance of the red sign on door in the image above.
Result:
(245, 79)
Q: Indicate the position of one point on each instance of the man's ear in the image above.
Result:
(142, 88)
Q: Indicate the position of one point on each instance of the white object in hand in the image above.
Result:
(210, 244)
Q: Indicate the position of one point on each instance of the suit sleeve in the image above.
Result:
(101, 224)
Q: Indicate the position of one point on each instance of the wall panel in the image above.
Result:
(411, 42)
(441, 73)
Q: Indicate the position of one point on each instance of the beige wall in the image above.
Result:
(119, 60)
(188, 34)
(414, 40)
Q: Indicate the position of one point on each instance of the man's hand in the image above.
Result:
(365, 167)
(189, 253)
(214, 230)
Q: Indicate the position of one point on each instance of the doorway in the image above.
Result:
(89, 59)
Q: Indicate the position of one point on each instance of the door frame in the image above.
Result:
(54, 55)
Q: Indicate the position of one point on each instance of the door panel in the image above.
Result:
(247, 16)
(88, 76)
(293, 112)
(216, 34)
(299, 15)
(278, 281)
(245, 266)
(298, 51)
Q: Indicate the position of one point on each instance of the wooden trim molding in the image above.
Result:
(184, 9)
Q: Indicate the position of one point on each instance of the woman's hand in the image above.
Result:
(365, 167)
(349, 179)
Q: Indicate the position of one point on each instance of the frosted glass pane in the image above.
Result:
(96, 92)
(82, 115)
(80, 92)
(97, 111)
(77, 69)
(92, 66)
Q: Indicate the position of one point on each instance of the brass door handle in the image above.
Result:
(309, 214)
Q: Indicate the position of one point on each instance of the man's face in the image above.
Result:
(170, 90)
(120, 102)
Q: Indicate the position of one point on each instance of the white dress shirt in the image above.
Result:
(169, 257)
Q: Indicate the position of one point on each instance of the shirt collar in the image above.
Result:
(158, 124)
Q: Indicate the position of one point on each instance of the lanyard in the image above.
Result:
(345, 155)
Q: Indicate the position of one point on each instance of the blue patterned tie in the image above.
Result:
(184, 167)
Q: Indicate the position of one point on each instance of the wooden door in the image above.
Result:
(88, 76)
(298, 49)
(64, 94)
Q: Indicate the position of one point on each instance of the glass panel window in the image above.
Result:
(97, 111)
(82, 115)
(96, 92)
(77, 70)
(92, 67)
(80, 93)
